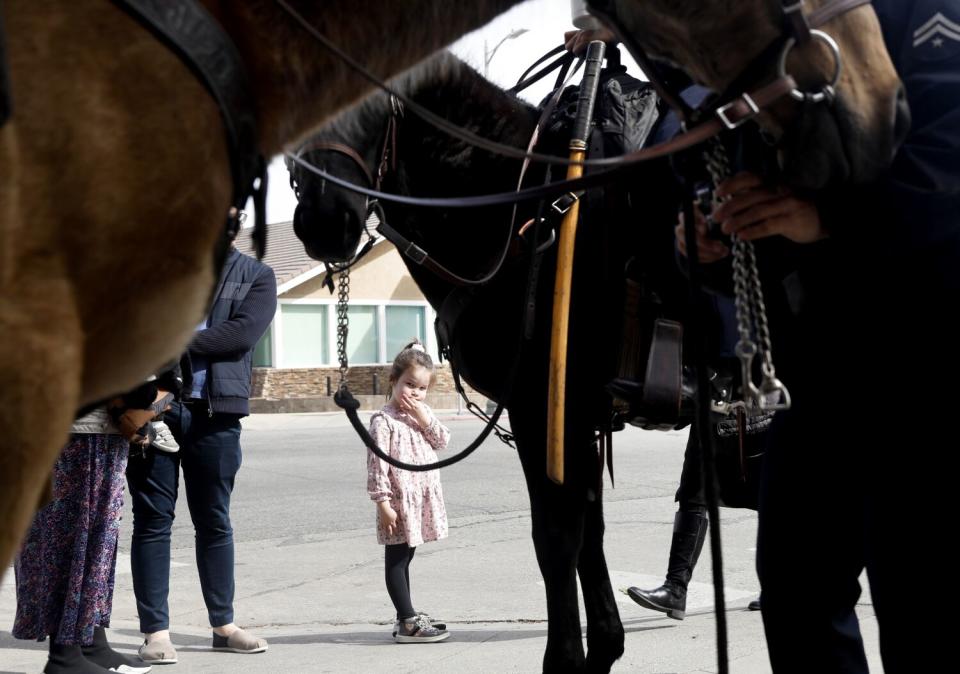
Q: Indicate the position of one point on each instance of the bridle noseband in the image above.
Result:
(388, 155)
(386, 164)
(798, 29)
(340, 148)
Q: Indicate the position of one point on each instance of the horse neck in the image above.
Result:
(299, 84)
(431, 163)
(431, 160)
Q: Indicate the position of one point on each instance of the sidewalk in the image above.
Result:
(319, 601)
(318, 598)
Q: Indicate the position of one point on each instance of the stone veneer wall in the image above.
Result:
(305, 389)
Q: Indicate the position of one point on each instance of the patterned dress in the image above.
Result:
(416, 496)
(65, 570)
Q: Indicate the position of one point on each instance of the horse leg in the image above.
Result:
(604, 630)
(40, 365)
(557, 523)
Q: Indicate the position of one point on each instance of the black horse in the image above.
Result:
(487, 337)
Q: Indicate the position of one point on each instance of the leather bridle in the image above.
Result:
(729, 112)
(387, 162)
(737, 104)
(340, 148)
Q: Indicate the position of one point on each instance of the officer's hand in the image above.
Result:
(756, 211)
(708, 249)
(576, 41)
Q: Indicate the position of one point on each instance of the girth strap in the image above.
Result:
(6, 95)
(832, 10)
(201, 43)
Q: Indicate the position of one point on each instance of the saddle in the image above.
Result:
(649, 385)
(650, 390)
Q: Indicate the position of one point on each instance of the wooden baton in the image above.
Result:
(561, 290)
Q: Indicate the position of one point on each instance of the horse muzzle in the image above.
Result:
(829, 145)
(327, 236)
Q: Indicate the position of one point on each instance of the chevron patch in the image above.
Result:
(936, 31)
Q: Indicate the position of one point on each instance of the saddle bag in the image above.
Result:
(739, 440)
(650, 391)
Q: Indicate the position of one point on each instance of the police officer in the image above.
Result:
(860, 473)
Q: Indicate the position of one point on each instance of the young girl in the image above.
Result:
(410, 507)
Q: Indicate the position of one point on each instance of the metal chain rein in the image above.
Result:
(751, 310)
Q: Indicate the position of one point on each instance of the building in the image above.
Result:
(295, 364)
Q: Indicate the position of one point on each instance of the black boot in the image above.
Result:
(101, 653)
(689, 532)
(70, 660)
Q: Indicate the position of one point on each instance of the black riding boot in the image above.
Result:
(689, 532)
(101, 653)
(70, 660)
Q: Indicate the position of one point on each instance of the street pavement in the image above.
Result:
(310, 573)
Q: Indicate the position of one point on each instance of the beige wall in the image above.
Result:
(380, 276)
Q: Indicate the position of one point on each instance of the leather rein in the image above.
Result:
(188, 30)
(198, 39)
(738, 109)
(798, 29)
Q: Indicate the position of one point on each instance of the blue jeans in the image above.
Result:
(210, 457)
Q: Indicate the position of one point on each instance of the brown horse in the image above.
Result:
(115, 182)
(851, 138)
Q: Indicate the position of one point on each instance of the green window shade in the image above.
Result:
(263, 352)
(363, 338)
(304, 335)
(403, 325)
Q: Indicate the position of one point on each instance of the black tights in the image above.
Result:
(397, 560)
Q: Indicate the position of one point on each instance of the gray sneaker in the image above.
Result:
(442, 626)
(163, 438)
(418, 630)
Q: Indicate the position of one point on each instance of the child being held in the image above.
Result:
(410, 508)
(139, 413)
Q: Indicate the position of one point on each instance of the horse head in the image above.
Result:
(850, 136)
(330, 220)
(375, 144)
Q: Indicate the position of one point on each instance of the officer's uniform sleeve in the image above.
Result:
(918, 203)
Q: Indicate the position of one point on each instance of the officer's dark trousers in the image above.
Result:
(210, 457)
(862, 474)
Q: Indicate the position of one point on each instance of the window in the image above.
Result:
(305, 335)
(363, 339)
(404, 323)
(263, 352)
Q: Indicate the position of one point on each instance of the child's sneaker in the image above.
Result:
(163, 438)
(442, 626)
(418, 630)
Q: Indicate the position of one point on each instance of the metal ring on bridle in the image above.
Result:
(826, 91)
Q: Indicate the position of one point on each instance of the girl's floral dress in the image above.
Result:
(416, 496)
